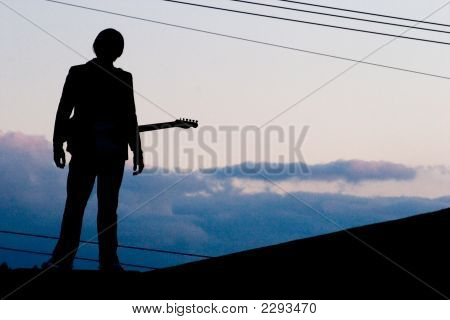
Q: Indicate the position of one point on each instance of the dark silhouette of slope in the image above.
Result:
(407, 259)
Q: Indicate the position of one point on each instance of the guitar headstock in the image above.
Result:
(186, 123)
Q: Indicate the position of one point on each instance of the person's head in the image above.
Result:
(108, 45)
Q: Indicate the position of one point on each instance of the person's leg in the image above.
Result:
(80, 182)
(108, 184)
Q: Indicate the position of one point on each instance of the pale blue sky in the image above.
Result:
(369, 114)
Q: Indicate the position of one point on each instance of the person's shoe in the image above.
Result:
(115, 267)
(57, 267)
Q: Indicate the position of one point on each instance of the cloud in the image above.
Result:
(27, 174)
(358, 170)
(198, 212)
(429, 182)
(352, 171)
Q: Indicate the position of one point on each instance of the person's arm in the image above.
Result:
(65, 107)
(134, 140)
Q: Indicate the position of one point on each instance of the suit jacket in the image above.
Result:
(104, 119)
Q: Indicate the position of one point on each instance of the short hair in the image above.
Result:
(109, 42)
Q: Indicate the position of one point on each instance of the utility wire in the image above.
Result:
(365, 12)
(306, 22)
(250, 40)
(85, 58)
(343, 72)
(94, 242)
(77, 258)
(339, 16)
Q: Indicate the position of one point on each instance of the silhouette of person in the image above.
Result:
(103, 124)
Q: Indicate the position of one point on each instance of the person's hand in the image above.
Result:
(138, 163)
(59, 156)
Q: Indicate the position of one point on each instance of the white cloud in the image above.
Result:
(204, 213)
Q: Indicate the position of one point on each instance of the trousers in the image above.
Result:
(80, 181)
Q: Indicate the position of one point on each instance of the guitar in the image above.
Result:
(179, 123)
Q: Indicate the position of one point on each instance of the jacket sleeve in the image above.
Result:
(65, 107)
(134, 140)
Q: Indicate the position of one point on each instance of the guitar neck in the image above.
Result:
(157, 126)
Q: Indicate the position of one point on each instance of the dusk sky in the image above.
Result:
(378, 140)
(369, 113)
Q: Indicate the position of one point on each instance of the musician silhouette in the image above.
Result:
(103, 124)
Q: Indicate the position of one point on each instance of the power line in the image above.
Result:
(251, 40)
(43, 236)
(365, 12)
(306, 22)
(77, 258)
(85, 58)
(340, 74)
(339, 16)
